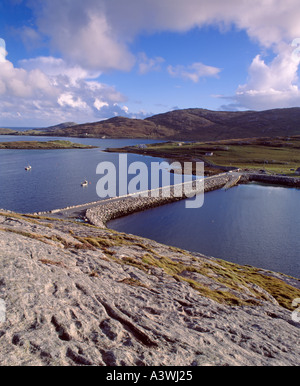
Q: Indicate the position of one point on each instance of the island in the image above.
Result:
(8, 132)
(39, 145)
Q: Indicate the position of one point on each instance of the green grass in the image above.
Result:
(232, 278)
(278, 160)
(275, 155)
(281, 291)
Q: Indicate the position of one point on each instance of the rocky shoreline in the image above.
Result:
(79, 295)
(274, 179)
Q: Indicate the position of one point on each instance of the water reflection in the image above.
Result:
(249, 224)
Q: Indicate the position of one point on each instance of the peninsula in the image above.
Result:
(279, 155)
(39, 145)
(8, 132)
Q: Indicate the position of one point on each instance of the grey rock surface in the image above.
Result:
(80, 295)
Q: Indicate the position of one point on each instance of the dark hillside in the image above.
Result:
(192, 124)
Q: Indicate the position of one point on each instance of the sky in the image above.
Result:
(86, 61)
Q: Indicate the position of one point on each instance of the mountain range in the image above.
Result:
(190, 124)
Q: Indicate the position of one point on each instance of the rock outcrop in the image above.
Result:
(80, 295)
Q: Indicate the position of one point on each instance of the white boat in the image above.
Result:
(84, 183)
(28, 168)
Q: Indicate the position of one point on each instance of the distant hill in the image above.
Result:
(7, 131)
(60, 126)
(192, 124)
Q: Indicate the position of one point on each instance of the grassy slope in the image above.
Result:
(278, 155)
(6, 131)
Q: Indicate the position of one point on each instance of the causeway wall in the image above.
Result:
(100, 212)
(111, 209)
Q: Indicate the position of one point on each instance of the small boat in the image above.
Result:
(27, 168)
(84, 183)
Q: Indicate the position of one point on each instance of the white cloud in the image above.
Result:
(271, 85)
(193, 72)
(2, 51)
(98, 104)
(67, 99)
(95, 36)
(48, 90)
(97, 33)
(81, 32)
(17, 82)
(58, 67)
(149, 64)
(125, 109)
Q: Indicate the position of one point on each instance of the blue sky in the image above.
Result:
(85, 61)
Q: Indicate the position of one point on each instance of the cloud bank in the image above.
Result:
(52, 91)
(98, 33)
(96, 36)
(271, 85)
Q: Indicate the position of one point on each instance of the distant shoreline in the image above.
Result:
(273, 156)
(38, 145)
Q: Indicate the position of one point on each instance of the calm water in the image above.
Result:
(249, 224)
(56, 175)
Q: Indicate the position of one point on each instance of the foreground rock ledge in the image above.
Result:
(81, 295)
